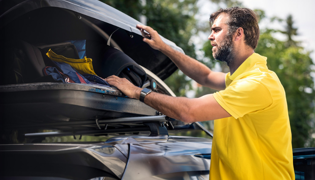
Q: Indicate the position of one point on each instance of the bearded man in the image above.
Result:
(252, 135)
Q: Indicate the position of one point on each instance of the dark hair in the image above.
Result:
(241, 17)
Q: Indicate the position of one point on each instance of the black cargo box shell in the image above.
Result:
(32, 98)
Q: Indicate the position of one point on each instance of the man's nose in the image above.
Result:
(211, 37)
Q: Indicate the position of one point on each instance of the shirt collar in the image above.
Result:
(252, 61)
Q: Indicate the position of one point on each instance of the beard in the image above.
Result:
(225, 50)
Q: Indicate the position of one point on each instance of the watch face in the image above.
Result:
(143, 93)
(146, 90)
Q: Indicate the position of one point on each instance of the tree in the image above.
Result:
(289, 30)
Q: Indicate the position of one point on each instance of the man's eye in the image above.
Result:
(214, 30)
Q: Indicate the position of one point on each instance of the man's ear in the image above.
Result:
(239, 34)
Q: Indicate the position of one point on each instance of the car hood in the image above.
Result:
(102, 17)
(132, 157)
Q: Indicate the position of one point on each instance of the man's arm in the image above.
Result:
(189, 66)
(187, 110)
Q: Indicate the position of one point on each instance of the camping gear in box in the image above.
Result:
(114, 62)
(67, 55)
(28, 101)
(83, 66)
(117, 63)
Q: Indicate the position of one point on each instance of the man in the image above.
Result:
(252, 135)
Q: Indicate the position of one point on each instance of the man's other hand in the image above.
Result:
(155, 40)
(124, 86)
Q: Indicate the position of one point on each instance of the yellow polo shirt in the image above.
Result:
(255, 142)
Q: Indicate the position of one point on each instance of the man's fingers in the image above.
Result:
(152, 37)
(112, 80)
(146, 28)
(117, 81)
(147, 41)
(139, 26)
(111, 77)
(145, 34)
(123, 84)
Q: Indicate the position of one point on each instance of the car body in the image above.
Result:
(304, 163)
(138, 141)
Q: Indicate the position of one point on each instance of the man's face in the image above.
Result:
(221, 40)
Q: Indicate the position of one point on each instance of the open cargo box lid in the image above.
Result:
(49, 22)
(102, 18)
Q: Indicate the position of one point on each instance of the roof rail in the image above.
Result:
(97, 121)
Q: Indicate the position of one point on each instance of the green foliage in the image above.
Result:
(179, 83)
(260, 14)
(174, 20)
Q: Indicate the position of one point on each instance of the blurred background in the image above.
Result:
(287, 38)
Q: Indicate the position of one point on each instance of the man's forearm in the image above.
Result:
(177, 108)
(189, 66)
(185, 109)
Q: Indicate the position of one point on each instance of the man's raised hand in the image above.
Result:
(151, 37)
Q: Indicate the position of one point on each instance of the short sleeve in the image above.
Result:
(244, 97)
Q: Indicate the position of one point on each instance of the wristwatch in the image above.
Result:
(144, 92)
